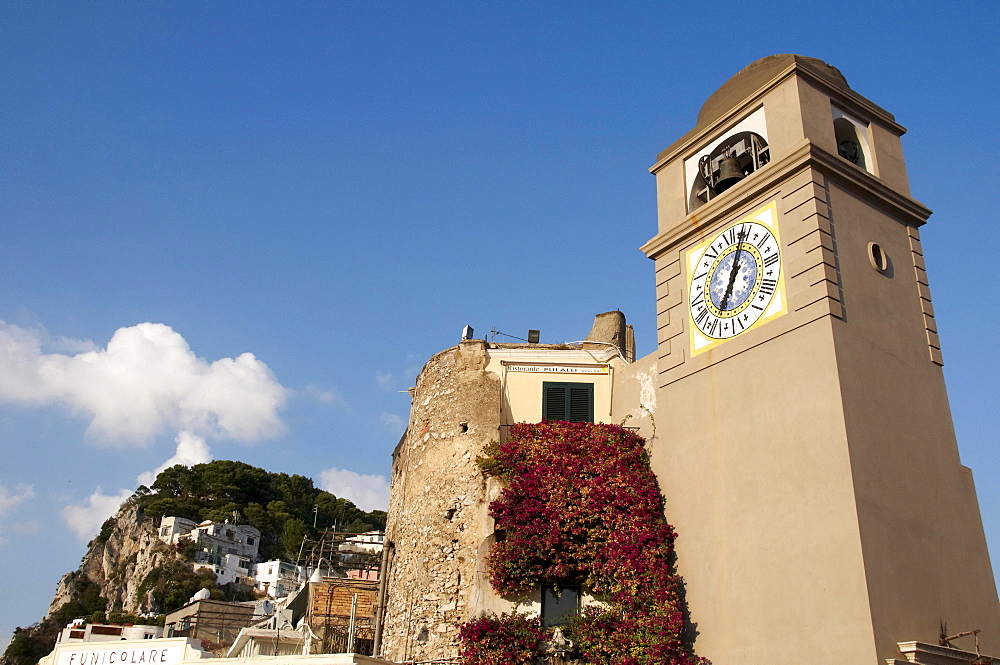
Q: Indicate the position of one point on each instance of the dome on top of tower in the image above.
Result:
(749, 79)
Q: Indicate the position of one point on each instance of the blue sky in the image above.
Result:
(338, 188)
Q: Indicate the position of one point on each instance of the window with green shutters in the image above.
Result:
(559, 604)
(573, 402)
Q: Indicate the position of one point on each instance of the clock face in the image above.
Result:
(735, 280)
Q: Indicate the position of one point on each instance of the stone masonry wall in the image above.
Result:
(438, 515)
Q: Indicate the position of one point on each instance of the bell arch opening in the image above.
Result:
(730, 161)
(852, 140)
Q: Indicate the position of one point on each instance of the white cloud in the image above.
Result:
(389, 382)
(145, 381)
(392, 423)
(70, 345)
(191, 450)
(85, 519)
(11, 498)
(31, 526)
(324, 396)
(367, 492)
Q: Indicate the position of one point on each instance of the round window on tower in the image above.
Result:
(878, 258)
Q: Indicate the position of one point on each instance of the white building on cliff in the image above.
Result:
(229, 550)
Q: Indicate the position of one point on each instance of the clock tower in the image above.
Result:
(811, 467)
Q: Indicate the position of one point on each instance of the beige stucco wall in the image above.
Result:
(925, 549)
(810, 464)
(635, 404)
(764, 506)
(522, 390)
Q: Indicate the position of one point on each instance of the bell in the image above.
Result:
(730, 173)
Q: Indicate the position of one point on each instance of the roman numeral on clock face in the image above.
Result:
(749, 284)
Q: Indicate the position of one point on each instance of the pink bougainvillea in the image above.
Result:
(581, 506)
(508, 639)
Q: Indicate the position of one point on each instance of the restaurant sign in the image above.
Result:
(558, 369)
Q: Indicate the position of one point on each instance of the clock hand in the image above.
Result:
(735, 269)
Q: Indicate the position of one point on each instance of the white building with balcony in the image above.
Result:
(228, 550)
(277, 578)
(174, 529)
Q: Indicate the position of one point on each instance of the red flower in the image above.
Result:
(582, 506)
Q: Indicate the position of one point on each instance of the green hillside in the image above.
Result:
(284, 508)
(281, 506)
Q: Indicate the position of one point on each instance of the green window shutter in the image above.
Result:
(581, 402)
(554, 400)
(573, 402)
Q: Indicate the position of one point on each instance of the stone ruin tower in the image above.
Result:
(438, 520)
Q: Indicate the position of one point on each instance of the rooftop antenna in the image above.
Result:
(494, 332)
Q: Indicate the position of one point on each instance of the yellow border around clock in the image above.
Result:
(766, 215)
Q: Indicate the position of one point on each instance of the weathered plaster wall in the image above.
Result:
(634, 403)
(438, 515)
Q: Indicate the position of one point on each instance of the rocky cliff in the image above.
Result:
(110, 579)
(118, 560)
(127, 570)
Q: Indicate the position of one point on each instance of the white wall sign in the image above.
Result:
(147, 656)
(559, 369)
